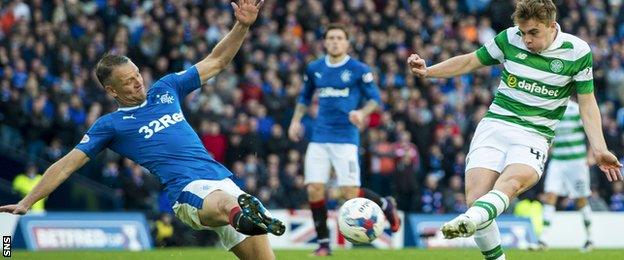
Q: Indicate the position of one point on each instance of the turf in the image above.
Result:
(358, 254)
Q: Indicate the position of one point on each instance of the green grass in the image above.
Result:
(358, 254)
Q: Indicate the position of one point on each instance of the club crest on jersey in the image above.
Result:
(345, 76)
(166, 98)
(368, 77)
(556, 66)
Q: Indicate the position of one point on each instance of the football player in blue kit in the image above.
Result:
(150, 129)
(342, 84)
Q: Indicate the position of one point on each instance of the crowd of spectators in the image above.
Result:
(414, 148)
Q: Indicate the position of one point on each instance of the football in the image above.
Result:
(361, 221)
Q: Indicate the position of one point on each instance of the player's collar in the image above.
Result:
(558, 41)
(132, 108)
(335, 65)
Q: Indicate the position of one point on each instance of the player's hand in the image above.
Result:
(417, 65)
(246, 11)
(609, 165)
(294, 131)
(356, 117)
(14, 209)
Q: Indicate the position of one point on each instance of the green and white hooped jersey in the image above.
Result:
(569, 142)
(535, 88)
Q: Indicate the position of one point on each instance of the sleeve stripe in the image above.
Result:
(584, 75)
(495, 51)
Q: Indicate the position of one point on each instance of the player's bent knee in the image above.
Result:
(511, 186)
(516, 179)
(581, 202)
(316, 191)
(349, 192)
(550, 198)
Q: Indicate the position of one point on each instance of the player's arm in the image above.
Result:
(246, 13)
(300, 109)
(489, 54)
(294, 130)
(305, 98)
(369, 107)
(590, 114)
(452, 67)
(371, 92)
(52, 178)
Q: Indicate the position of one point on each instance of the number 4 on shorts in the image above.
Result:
(536, 153)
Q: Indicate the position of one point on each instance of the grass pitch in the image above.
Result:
(357, 254)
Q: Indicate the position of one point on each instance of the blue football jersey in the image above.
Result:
(341, 88)
(156, 135)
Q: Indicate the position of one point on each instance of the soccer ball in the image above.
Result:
(361, 220)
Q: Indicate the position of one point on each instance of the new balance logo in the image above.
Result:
(317, 75)
(158, 125)
(521, 56)
(128, 117)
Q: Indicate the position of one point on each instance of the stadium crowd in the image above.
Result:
(413, 149)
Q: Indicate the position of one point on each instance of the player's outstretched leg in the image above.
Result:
(253, 210)
(221, 212)
(485, 209)
(479, 181)
(479, 219)
(514, 180)
(246, 215)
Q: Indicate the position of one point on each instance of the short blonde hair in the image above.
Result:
(543, 11)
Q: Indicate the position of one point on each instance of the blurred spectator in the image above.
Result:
(277, 142)
(214, 141)
(239, 174)
(617, 199)
(406, 183)
(140, 189)
(596, 202)
(431, 196)
(454, 199)
(297, 194)
(111, 178)
(383, 164)
(55, 150)
(235, 150)
(164, 231)
(26, 181)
